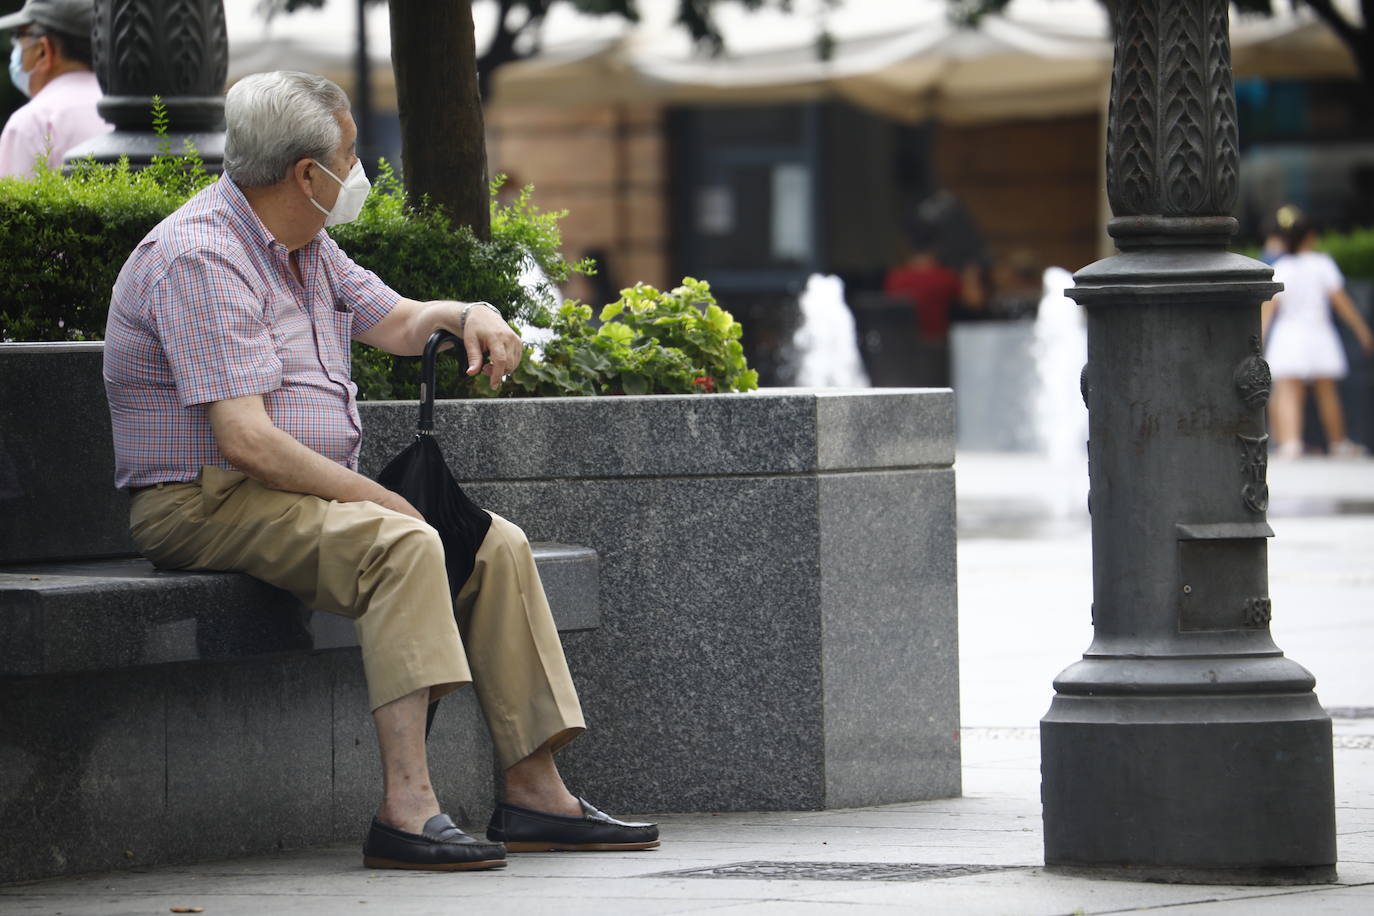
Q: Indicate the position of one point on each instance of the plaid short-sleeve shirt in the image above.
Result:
(207, 309)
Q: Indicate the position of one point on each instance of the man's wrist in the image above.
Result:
(463, 315)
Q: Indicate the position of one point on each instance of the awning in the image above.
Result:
(902, 58)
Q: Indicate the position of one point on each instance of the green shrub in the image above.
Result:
(1353, 251)
(64, 239)
(648, 342)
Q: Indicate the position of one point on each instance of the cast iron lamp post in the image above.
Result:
(1184, 746)
(176, 49)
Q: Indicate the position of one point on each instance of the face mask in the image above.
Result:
(352, 193)
(17, 74)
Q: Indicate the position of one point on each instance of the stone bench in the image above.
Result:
(117, 678)
(115, 613)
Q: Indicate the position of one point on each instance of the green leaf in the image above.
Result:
(617, 333)
(719, 319)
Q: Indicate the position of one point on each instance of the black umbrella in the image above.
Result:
(420, 474)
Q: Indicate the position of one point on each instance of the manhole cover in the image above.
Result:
(832, 871)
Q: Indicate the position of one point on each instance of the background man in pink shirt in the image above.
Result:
(50, 62)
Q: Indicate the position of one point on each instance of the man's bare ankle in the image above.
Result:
(554, 801)
(408, 816)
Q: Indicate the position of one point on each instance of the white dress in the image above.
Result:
(1303, 341)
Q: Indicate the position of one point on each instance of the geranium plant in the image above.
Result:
(648, 342)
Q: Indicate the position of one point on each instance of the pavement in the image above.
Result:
(1021, 522)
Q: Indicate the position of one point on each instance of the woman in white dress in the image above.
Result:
(1303, 346)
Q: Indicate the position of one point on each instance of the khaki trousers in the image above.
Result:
(386, 571)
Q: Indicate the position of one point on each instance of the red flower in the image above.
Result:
(705, 384)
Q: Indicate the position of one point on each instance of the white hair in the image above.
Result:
(274, 120)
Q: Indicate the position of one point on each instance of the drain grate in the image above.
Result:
(832, 871)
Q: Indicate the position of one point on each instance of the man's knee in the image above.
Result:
(407, 558)
(403, 543)
(413, 537)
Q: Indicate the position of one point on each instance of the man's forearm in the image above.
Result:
(408, 328)
(275, 458)
(281, 462)
(491, 346)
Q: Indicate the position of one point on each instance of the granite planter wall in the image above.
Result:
(777, 627)
(778, 621)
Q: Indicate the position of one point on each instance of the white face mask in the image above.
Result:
(353, 193)
(17, 74)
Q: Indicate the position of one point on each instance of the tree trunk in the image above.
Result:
(443, 142)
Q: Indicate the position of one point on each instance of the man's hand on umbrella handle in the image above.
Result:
(486, 334)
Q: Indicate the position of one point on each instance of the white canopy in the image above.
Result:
(903, 58)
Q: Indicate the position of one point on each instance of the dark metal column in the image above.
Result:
(176, 49)
(1184, 746)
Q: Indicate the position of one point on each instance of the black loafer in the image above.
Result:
(440, 846)
(526, 830)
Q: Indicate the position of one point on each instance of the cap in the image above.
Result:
(71, 17)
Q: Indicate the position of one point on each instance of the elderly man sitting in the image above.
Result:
(237, 434)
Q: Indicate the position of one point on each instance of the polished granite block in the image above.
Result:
(81, 774)
(57, 492)
(773, 431)
(532, 438)
(249, 755)
(890, 631)
(856, 429)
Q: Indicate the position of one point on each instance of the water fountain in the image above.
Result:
(826, 344)
(1059, 348)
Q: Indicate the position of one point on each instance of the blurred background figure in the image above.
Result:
(1275, 233)
(929, 284)
(50, 63)
(1018, 282)
(1302, 344)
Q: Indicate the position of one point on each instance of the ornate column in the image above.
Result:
(176, 49)
(1184, 746)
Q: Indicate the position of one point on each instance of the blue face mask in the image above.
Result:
(17, 74)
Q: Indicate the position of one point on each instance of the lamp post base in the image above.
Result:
(1190, 789)
(1279, 876)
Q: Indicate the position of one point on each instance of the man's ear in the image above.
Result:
(47, 57)
(300, 176)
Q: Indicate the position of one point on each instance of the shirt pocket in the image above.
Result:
(341, 341)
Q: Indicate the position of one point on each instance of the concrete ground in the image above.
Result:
(1021, 523)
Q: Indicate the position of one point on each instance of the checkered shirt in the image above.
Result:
(207, 309)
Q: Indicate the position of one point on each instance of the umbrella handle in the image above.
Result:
(436, 340)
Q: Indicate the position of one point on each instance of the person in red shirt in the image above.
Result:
(931, 287)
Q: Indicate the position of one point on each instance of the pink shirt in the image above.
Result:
(60, 117)
(206, 309)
